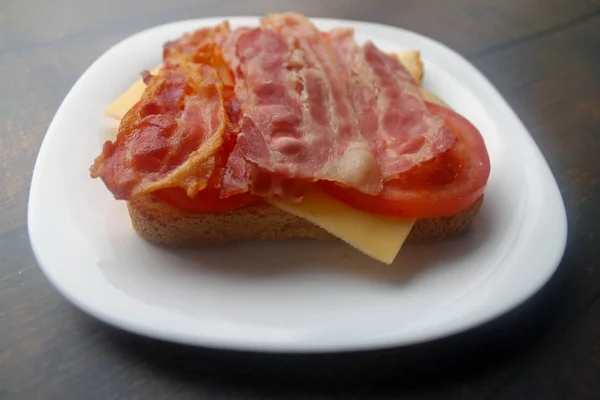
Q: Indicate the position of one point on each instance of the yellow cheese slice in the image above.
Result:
(120, 106)
(377, 236)
(433, 98)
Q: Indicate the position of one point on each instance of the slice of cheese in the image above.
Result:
(377, 236)
(411, 59)
(120, 106)
(433, 98)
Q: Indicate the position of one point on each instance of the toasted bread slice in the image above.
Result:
(162, 223)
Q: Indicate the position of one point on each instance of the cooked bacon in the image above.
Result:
(197, 47)
(393, 116)
(297, 120)
(296, 105)
(169, 139)
(201, 47)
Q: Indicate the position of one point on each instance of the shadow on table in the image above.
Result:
(446, 361)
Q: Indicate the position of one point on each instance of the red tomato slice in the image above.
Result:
(206, 201)
(446, 185)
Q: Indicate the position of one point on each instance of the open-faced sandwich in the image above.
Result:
(282, 131)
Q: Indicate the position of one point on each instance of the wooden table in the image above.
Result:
(543, 55)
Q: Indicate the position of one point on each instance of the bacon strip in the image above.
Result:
(169, 138)
(392, 114)
(298, 105)
(297, 119)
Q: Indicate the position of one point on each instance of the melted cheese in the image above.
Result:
(377, 236)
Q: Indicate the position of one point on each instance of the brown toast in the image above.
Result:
(162, 223)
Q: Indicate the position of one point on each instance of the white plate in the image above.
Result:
(293, 296)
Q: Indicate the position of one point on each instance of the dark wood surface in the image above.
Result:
(543, 56)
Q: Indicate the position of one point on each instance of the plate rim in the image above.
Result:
(286, 348)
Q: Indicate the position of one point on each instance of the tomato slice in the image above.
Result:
(206, 201)
(446, 185)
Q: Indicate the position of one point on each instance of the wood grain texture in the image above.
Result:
(542, 56)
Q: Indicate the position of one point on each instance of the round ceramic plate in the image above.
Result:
(297, 295)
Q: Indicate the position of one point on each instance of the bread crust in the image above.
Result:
(164, 224)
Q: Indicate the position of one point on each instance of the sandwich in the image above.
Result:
(284, 131)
